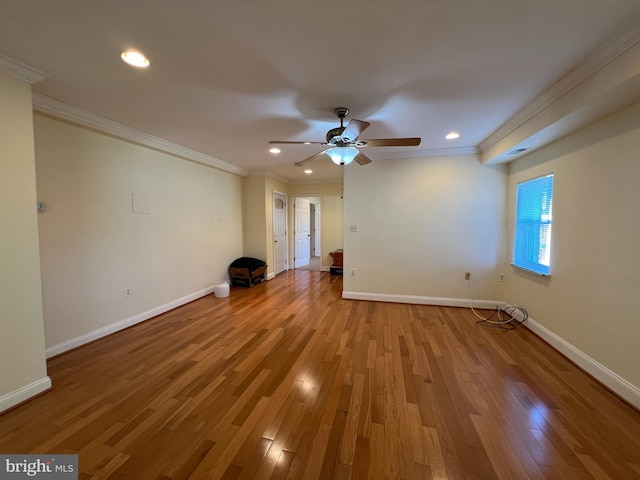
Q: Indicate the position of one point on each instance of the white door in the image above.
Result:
(303, 233)
(316, 230)
(279, 232)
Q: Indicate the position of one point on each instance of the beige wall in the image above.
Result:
(254, 215)
(22, 351)
(590, 299)
(422, 223)
(93, 246)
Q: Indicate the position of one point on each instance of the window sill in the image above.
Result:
(533, 272)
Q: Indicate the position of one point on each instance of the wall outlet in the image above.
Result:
(467, 275)
(353, 272)
(501, 277)
(127, 292)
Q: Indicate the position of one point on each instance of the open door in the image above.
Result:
(302, 232)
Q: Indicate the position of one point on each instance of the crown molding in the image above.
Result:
(21, 71)
(600, 58)
(56, 108)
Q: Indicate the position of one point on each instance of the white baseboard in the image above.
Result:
(325, 269)
(122, 324)
(270, 275)
(12, 399)
(617, 384)
(420, 300)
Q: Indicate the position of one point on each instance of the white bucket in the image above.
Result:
(221, 289)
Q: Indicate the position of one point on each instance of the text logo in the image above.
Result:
(51, 467)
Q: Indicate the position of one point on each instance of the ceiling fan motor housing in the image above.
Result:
(340, 112)
(333, 133)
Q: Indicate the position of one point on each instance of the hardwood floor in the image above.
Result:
(287, 380)
(315, 265)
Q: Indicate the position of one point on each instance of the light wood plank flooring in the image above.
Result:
(287, 380)
(315, 265)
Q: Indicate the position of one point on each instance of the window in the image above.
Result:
(532, 240)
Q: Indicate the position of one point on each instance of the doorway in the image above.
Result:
(307, 216)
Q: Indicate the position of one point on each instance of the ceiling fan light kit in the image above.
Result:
(342, 155)
(344, 140)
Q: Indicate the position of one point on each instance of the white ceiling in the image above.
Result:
(228, 76)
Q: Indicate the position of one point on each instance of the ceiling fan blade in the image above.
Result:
(312, 157)
(353, 130)
(362, 159)
(390, 142)
(286, 142)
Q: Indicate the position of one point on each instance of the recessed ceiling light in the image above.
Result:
(452, 135)
(308, 172)
(307, 143)
(274, 150)
(135, 59)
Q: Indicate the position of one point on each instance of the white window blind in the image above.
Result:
(532, 240)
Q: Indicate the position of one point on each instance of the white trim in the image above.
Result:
(73, 114)
(270, 276)
(22, 394)
(622, 42)
(21, 71)
(617, 384)
(420, 300)
(325, 268)
(122, 324)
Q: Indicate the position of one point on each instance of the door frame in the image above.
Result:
(316, 228)
(276, 194)
(292, 202)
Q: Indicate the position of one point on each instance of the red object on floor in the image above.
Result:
(337, 258)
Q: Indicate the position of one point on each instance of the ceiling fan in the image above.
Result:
(342, 142)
